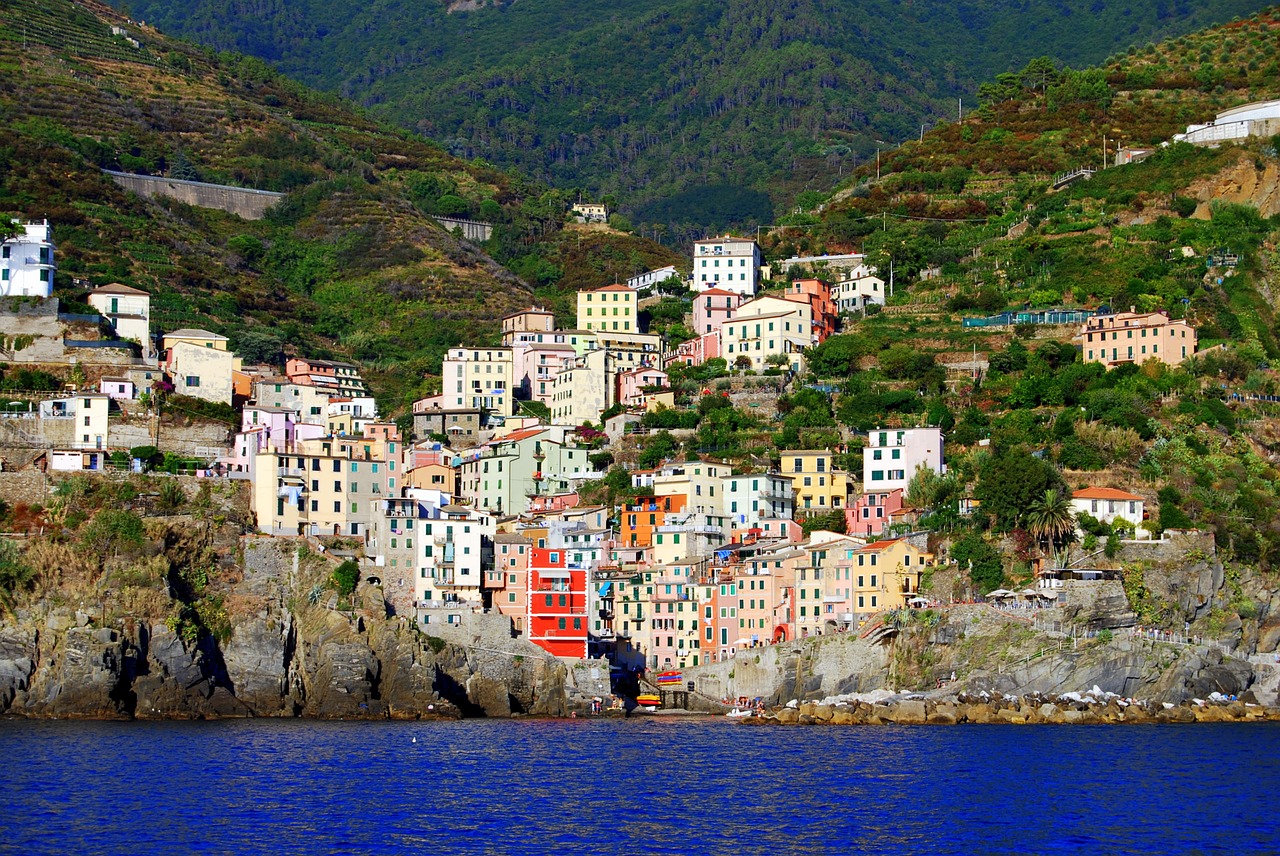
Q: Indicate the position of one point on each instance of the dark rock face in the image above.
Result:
(18, 653)
(87, 679)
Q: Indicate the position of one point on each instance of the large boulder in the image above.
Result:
(258, 657)
(88, 679)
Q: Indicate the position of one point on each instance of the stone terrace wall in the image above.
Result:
(246, 202)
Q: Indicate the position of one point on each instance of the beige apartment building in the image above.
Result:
(1135, 337)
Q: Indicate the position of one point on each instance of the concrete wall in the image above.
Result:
(246, 202)
(472, 230)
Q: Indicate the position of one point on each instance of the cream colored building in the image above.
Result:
(193, 336)
(699, 482)
(580, 392)
(532, 320)
(766, 327)
(75, 422)
(128, 310)
(479, 378)
(611, 309)
(1135, 337)
(330, 486)
(202, 370)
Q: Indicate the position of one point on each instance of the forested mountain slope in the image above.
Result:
(350, 264)
(646, 98)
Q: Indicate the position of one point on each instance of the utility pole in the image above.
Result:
(959, 109)
(877, 163)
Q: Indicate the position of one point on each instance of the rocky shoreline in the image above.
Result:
(985, 709)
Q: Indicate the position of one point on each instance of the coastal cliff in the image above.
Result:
(279, 645)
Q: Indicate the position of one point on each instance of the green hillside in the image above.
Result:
(648, 98)
(349, 265)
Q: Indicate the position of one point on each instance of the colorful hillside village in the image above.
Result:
(697, 559)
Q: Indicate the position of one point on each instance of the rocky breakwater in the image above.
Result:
(1093, 708)
(266, 637)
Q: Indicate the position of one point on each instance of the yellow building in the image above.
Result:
(199, 338)
(612, 309)
(886, 575)
(818, 486)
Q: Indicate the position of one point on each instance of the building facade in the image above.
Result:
(730, 263)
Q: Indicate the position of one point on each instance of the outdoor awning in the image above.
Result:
(604, 589)
(553, 574)
(1050, 595)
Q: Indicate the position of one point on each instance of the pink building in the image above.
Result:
(712, 308)
(117, 388)
(507, 583)
(1135, 337)
(873, 512)
(631, 384)
(823, 309)
(555, 502)
(536, 364)
(696, 351)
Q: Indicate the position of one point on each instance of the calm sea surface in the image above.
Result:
(634, 787)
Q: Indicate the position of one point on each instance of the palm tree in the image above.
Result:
(1051, 520)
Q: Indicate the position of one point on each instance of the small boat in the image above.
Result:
(739, 713)
(649, 700)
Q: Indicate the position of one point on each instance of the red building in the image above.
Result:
(556, 617)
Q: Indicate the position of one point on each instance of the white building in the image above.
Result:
(26, 261)
(456, 549)
(652, 277)
(727, 262)
(892, 457)
(749, 499)
(1259, 119)
(1107, 504)
(480, 378)
(128, 310)
(859, 289)
(311, 403)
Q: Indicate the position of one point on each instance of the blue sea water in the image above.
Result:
(639, 786)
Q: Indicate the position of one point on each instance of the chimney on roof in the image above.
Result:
(1133, 309)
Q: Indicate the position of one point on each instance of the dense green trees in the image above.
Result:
(696, 107)
(1011, 482)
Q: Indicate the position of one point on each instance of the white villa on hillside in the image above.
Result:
(26, 261)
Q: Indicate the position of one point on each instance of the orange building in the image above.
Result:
(644, 514)
(822, 305)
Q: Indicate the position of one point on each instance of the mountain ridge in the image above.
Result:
(654, 97)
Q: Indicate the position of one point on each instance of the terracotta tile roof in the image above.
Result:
(879, 545)
(617, 286)
(1105, 493)
(118, 288)
(517, 436)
